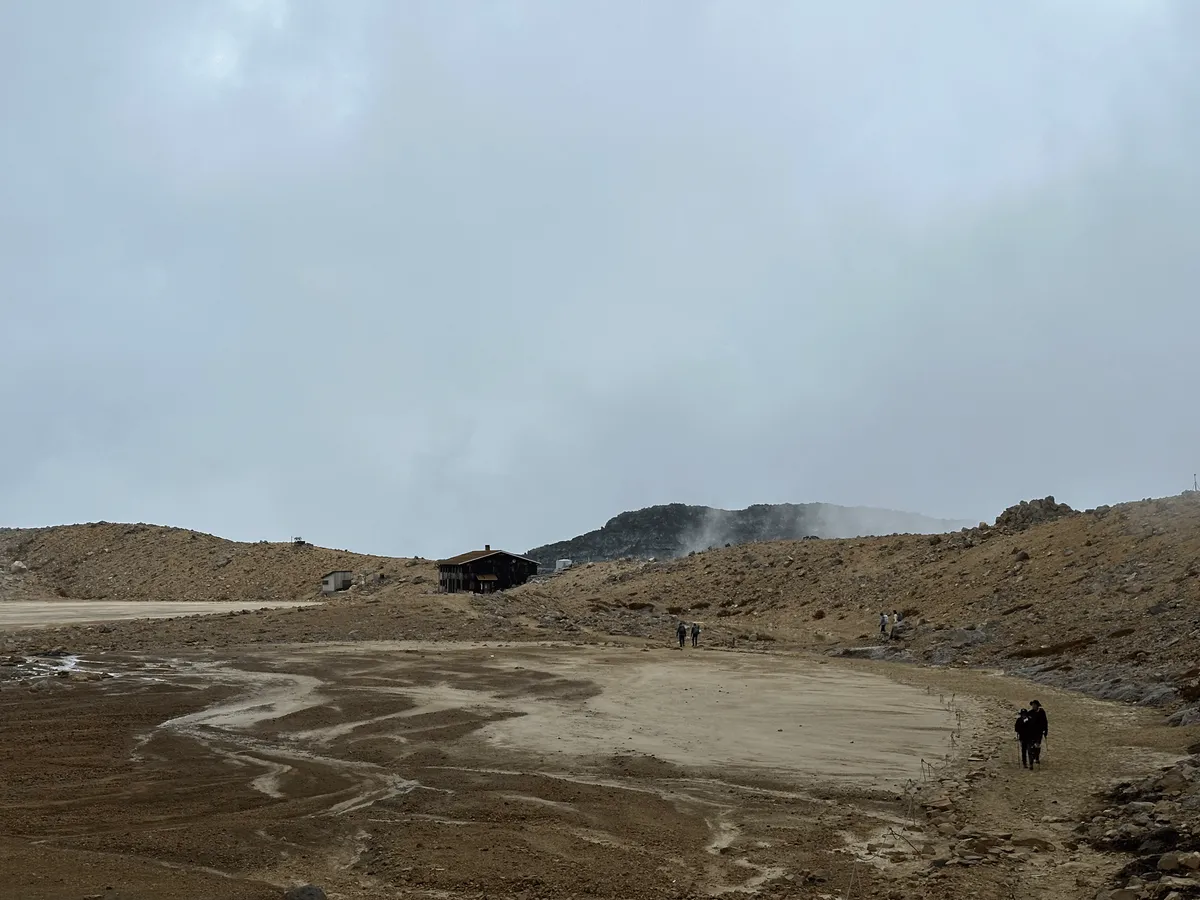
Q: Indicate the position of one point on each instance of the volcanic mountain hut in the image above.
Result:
(484, 571)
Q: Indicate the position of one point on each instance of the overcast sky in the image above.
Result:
(408, 277)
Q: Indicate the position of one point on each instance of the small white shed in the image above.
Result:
(333, 582)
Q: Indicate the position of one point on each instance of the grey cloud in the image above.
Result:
(408, 280)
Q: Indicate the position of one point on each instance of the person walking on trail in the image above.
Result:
(1029, 734)
(681, 633)
(1039, 717)
(883, 624)
(695, 633)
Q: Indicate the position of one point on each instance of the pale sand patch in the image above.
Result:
(794, 715)
(788, 714)
(784, 716)
(33, 614)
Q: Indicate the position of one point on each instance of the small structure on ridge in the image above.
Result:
(332, 582)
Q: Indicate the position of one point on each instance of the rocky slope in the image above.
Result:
(667, 531)
(1154, 821)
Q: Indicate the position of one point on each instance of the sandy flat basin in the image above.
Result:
(794, 717)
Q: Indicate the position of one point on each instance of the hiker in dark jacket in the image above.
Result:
(681, 633)
(695, 633)
(1029, 734)
(1039, 717)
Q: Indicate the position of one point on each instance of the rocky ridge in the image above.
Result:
(663, 532)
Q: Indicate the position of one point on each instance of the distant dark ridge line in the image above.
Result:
(675, 529)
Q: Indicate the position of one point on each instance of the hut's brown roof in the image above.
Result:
(463, 558)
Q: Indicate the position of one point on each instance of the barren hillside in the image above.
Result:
(106, 561)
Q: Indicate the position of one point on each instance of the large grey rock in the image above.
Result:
(965, 637)
(1158, 696)
(872, 652)
(305, 892)
(1189, 716)
(1121, 693)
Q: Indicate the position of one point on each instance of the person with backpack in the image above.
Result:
(695, 633)
(681, 633)
(1029, 733)
(1039, 717)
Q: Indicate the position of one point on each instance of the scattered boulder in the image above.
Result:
(18, 568)
(305, 892)
(873, 652)
(1159, 840)
(1033, 843)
